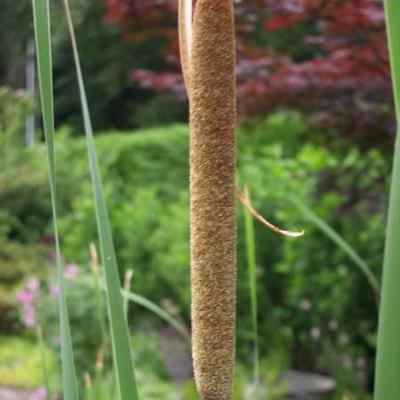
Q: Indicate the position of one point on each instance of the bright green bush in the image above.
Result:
(21, 362)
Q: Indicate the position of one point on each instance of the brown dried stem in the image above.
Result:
(245, 200)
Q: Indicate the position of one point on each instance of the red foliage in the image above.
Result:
(343, 81)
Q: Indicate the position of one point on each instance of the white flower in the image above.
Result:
(315, 333)
(305, 304)
(333, 324)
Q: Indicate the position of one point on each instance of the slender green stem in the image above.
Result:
(41, 13)
(387, 382)
(252, 276)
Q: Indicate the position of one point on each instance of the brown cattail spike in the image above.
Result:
(212, 189)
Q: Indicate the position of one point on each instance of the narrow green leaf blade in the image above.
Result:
(120, 340)
(155, 309)
(340, 242)
(41, 14)
(387, 382)
(252, 277)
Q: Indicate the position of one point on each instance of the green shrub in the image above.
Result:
(14, 106)
(17, 261)
(146, 181)
(308, 284)
(83, 314)
(24, 197)
(21, 363)
(315, 288)
(24, 207)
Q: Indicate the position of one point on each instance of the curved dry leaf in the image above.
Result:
(245, 200)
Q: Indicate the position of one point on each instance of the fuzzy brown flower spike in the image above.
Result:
(212, 192)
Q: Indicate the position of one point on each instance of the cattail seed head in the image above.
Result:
(212, 183)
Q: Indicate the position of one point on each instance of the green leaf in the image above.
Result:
(120, 340)
(41, 14)
(340, 242)
(155, 309)
(252, 276)
(387, 382)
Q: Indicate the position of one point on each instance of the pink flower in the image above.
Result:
(54, 291)
(56, 340)
(29, 321)
(71, 272)
(33, 285)
(25, 297)
(39, 394)
(29, 316)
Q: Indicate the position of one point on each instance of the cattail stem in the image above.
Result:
(212, 192)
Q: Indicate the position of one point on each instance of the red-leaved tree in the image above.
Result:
(327, 58)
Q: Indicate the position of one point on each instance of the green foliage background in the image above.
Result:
(304, 285)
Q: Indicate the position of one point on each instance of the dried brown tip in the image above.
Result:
(87, 381)
(245, 200)
(185, 38)
(212, 188)
(94, 264)
(128, 279)
(100, 360)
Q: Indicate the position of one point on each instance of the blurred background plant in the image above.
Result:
(308, 130)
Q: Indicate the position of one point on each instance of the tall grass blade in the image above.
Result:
(387, 382)
(41, 16)
(155, 309)
(340, 242)
(120, 340)
(252, 276)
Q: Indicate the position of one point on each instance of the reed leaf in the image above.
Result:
(387, 382)
(41, 17)
(340, 242)
(252, 277)
(120, 340)
(155, 309)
